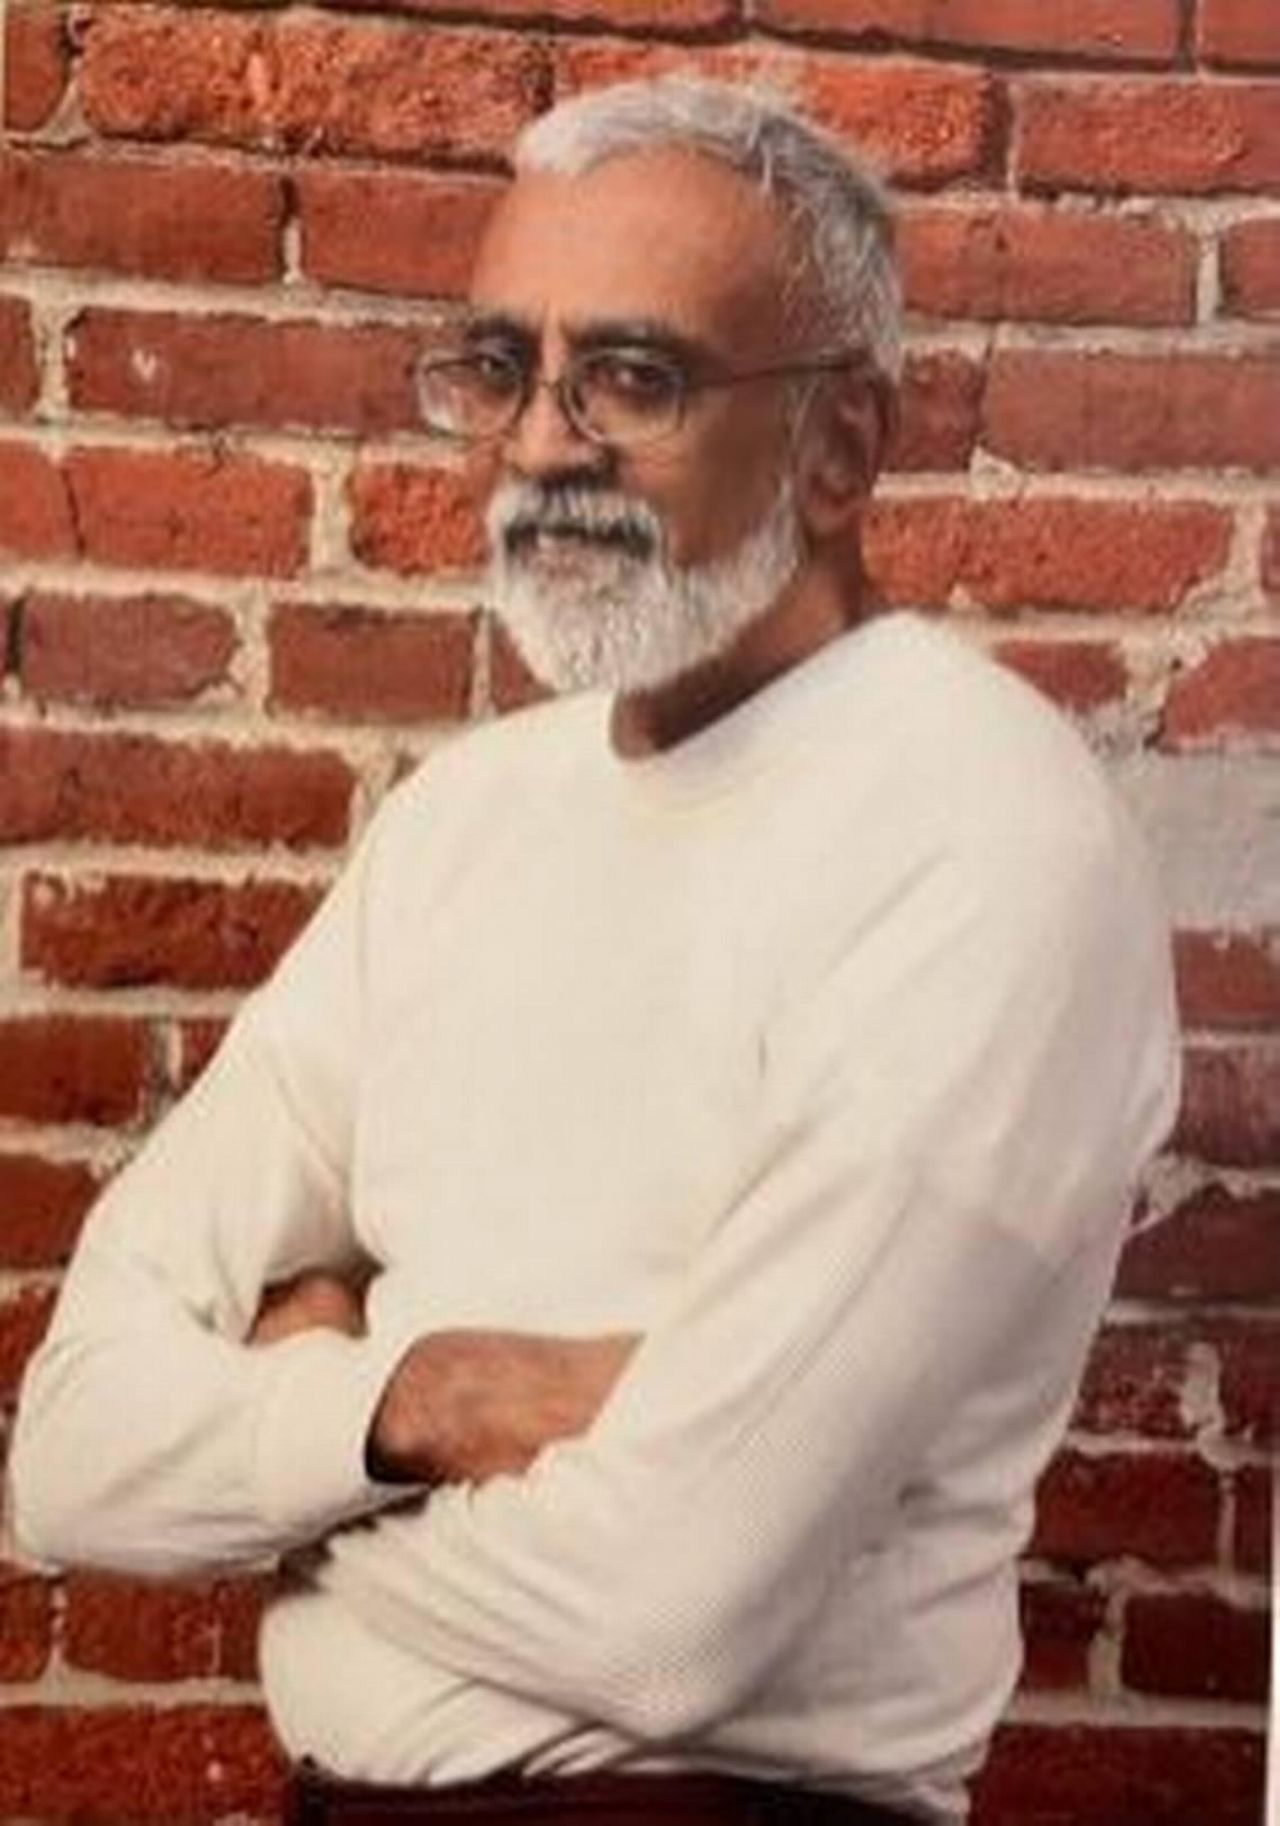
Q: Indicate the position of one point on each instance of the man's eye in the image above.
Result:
(638, 379)
(494, 372)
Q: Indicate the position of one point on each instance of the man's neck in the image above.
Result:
(817, 607)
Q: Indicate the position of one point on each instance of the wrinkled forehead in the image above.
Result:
(664, 235)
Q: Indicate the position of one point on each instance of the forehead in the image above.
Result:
(669, 235)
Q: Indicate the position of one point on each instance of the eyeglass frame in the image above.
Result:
(560, 386)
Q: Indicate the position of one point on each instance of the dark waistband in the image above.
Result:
(679, 1799)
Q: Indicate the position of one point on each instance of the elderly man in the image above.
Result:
(634, 1258)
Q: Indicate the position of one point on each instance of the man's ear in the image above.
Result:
(842, 450)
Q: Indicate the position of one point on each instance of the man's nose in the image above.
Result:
(544, 441)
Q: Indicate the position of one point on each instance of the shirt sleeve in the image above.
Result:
(150, 1438)
(955, 1113)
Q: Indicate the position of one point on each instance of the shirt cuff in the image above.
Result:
(309, 1449)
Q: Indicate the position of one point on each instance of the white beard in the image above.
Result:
(591, 616)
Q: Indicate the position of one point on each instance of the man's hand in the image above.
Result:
(463, 1406)
(311, 1301)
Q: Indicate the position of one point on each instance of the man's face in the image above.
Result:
(625, 566)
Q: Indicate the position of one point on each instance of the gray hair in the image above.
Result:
(842, 211)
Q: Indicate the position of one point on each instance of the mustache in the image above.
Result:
(520, 512)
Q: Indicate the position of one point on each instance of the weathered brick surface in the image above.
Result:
(36, 63)
(72, 1068)
(1050, 553)
(1254, 1490)
(1060, 1623)
(401, 234)
(409, 519)
(1228, 979)
(191, 511)
(939, 413)
(1193, 1645)
(1031, 263)
(24, 1316)
(1161, 1507)
(1251, 268)
(1216, 1245)
(26, 1623)
(59, 784)
(1230, 698)
(1196, 137)
(1245, 32)
(1135, 1382)
(1145, 29)
(132, 929)
(135, 1631)
(181, 222)
(35, 512)
(1113, 1775)
(1069, 411)
(1081, 675)
(19, 378)
(189, 1763)
(42, 1204)
(1231, 1105)
(129, 650)
(304, 84)
(356, 663)
(203, 372)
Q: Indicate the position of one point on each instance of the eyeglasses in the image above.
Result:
(621, 396)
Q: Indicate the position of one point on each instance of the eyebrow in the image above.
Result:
(593, 333)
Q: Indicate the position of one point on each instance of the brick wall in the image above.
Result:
(238, 594)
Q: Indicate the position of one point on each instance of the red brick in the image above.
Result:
(104, 1765)
(35, 514)
(1080, 675)
(72, 1068)
(939, 401)
(1253, 1534)
(1216, 1245)
(1197, 138)
(36, 64)
(1141, 30)
(1238, 32)
(1134, 1380)
(1112, 1775)
(26, 1623)
(511, 684)
(198, 1041)
(42, 1205)
(1192, 1645)
(409, 519)
(133, 929)
(19, 379)
(1049, 266)
(135, 1631)
(1060, 553)
(1228, 979)
(1248, 1354)
(1269, 560)
(367, 664)
(207, 372)
(1155, 1506)
(24, 1317)
(392, 232)
(185, 510)
(1250, 258)
(1231, 698)
(1231, 1105)
(1133, 412)
(138, 789)
(922, 123)
(176, 221)
(670, 17)
(130, 650)
(307, 85)
(1059, 1626)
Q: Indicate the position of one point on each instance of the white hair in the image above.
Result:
(841, 211)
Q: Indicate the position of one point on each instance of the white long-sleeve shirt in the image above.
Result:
(824, 1050)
